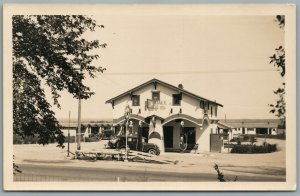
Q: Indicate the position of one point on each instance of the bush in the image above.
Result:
(279, 136)
(17, 139)
(246, 138)
(253, 149)
(72, 139)
(242, 138)
(91, 139)
(26, 140)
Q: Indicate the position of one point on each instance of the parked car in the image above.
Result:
(132, 143)
(108, 134)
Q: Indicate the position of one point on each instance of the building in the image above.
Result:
(88, 127)
(235, 127)
(167, 115)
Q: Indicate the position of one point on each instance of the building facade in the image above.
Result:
(89, 128)
(236, 127)
(166, 115)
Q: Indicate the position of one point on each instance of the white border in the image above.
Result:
(289, 10)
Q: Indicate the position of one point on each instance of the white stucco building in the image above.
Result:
(168, 116)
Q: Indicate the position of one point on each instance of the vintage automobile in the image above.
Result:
(133, 144)
(108, 134)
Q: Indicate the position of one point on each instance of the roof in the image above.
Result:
(223, 125)
(85, 122)
(251, 123)
(164, 84)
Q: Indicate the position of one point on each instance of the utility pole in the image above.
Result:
(79, 120)
(79, 125)
(127, 117)
(69, 135)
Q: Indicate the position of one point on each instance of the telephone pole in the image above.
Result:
(69, 135)
(79, 125)
(79, 120)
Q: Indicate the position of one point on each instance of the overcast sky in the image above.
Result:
(223, 58)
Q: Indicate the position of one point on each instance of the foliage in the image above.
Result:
(279, 109)
(91, 139)
(252, 140)
(50, 50)
(221, 176)
(278, 136)
(278, 60)
(250, 149)
(281, 20)
(24, 140)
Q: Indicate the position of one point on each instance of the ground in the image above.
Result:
(38, 159)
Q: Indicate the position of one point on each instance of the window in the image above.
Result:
(202, 104)
(206, 105)
(176, 99)
(155, 96)
(135, 100)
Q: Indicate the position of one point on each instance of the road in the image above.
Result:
(32, 172)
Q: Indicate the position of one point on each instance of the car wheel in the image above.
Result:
(152, 151)
(123, 149)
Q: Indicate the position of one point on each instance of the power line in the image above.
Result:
(190, 72)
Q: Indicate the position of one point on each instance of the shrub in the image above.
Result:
(249, 149)
(279, 136)
(72, 139)
(246, 138)
(253, 140)
(17, 139)
(91, 139)
(26, 140)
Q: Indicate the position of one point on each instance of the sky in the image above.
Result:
(222, 58)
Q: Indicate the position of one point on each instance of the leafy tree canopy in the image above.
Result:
(49, 49)
(278, 60)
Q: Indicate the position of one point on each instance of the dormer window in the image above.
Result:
(135, 100)
(176, 99)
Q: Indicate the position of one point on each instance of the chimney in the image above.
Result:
(180, 86)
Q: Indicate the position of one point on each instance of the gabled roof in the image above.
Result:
(153, 81)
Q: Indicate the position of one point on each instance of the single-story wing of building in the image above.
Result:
(88, 127)
(250, 126)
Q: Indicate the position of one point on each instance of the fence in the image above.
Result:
(46, 178)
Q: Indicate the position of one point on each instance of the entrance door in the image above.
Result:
(191, 134)
(168, 137)
(261, 130)
(243, 130)
(145, 133)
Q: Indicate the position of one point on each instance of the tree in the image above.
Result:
(278, 60)
(49, 50)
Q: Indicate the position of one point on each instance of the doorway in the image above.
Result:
(145, 133)
(168, 136)
(190, 134)
(261, 130)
